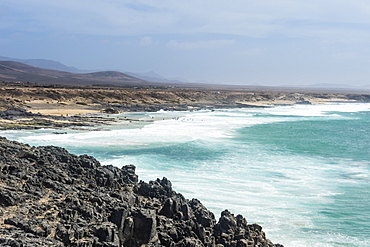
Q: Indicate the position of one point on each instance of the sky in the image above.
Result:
(242, 42)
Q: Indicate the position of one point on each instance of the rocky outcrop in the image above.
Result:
(49, 197)
(12, 113)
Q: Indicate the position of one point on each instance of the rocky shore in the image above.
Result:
(49, 197)
(19, 118)
(25, 106)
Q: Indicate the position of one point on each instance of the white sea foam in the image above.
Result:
(318, 110)
(190, 126)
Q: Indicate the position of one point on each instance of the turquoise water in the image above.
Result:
(302, 172)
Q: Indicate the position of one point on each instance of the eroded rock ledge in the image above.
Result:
(49, 197)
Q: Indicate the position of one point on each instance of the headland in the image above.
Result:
(49, 197)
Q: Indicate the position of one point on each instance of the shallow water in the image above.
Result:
(302, 172)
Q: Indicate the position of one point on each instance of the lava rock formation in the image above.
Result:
(49, 197)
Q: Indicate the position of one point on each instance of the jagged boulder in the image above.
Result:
(49, 197)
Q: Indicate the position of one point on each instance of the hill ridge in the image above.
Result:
(16, 71)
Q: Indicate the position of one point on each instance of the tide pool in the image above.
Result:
(301, 171)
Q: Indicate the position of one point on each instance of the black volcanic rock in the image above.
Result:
(49, 197)
(14, 112)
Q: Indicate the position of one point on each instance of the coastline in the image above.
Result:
(194, 178)
(29, 107)
(139, 116)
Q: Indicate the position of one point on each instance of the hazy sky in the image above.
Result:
(264, 42)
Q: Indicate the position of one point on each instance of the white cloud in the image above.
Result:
(142, 17)
(210, 44)
(146, 41)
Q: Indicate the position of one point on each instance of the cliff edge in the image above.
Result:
(49, 197)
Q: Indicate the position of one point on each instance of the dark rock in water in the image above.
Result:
(49, 197)
(110, 111)
(303, 102)
(60, 133)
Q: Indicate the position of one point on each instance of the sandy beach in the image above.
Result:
(58, 108)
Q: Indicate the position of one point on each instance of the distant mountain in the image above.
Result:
(15, 71)
(152, 76)
(55, 65)
(44, 63)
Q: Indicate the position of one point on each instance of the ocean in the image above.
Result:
(302, 172)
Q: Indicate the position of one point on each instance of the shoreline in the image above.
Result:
(88, 121)
(44, 107)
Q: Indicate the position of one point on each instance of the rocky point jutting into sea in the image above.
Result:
(49, 197)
